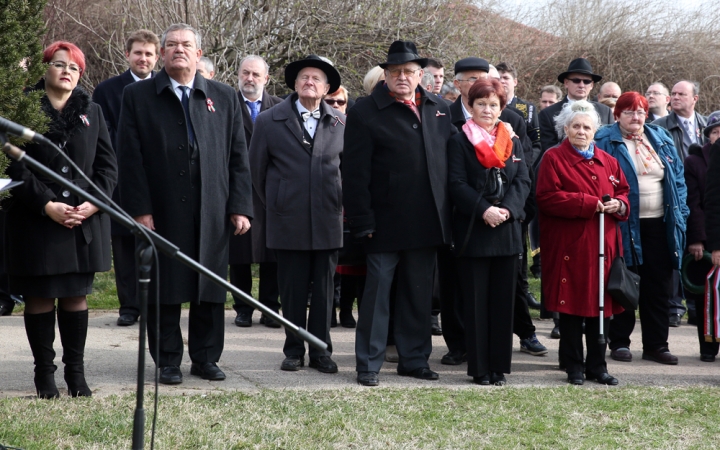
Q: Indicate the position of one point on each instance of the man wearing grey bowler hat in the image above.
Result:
(579, 80)
(396, 202)
(295, 164)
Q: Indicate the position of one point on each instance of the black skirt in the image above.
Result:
(53, 286)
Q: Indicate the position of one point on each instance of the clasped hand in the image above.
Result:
(609, 207)
(69, 216)
(494, 216)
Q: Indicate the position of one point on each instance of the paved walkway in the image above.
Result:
(252, 360)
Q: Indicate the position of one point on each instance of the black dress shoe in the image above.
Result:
(207, 371)
(347, 320)
(483, 380)
(454, 358)
(421, 373)
(555, 333)
(125, 320)
(243, 319)
(707, 358)
(170, 375)
(435, 326)
(292, 363)
(498, 379)
(602, 378)
(621, 354)
(368, 378)
(323, 364)
(532, 301)
(675, 320)
(575, 378)
(269, 322)
(660, 356)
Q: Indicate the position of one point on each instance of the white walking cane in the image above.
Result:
(601, 293)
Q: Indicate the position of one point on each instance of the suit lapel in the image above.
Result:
(247, 120)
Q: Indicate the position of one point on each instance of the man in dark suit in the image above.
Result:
(579, 80)
(295, 159)
(184, 169)
(142, 51)
(251, 247)
(658, 97)
(396, 200)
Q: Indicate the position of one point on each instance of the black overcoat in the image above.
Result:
(395, 172)
(300, 188)
(251, 247)
(466, 177)
(155, 176)
(36, 245)
(549, 138)
(712, 200)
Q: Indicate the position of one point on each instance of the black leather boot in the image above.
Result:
(346, 312)
(73, 334)
(40, 329)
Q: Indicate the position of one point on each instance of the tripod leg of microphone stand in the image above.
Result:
(144, 264)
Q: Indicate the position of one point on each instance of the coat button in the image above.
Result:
(562, 302)
(66, 194)
(65, 169)
(182, 172)
(564, 280)
(180, 122)
(180, 147)
(183, 199)
(415, 125)
(591, 162)
(192, 162)
(594, 177)
(567, 258)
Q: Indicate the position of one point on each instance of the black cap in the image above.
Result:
(401, 52)
(471, 63)
(579, 65)
(292, 70)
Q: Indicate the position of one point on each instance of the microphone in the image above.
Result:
(22, 132)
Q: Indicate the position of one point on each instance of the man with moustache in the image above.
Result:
(295, 159)
(251, 247)
(184, 169)
(142, 51)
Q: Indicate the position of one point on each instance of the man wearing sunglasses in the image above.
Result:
(578, 80)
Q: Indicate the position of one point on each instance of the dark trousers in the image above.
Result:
(450, 302)
(206, 333)
(522, 322)
(571, 346)
(268, 291)
(487, 287)
(414, 272)
(697, 273)
(123, 250)
(297, 269)
(676, 300)
(656, 288)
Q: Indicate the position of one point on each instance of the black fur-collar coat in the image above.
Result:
(35, 244)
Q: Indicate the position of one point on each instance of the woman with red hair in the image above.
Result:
(55, 241)
(655, 228)
(488, 183)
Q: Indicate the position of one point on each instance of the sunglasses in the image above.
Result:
(332, 101)
(580, 80)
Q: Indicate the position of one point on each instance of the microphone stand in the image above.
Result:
(169, 249)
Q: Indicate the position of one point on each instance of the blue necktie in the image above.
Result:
(253, 110)
(186, 106)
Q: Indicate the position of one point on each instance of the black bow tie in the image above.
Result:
(306, 114)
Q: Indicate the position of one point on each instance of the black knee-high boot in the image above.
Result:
(40, 329)
(73, 334)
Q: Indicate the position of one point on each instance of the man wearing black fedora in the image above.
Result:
(394, 181)
(295, 164)
(579, 80)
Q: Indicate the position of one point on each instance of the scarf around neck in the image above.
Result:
(491, 149)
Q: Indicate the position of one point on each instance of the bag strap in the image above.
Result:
(632, 245)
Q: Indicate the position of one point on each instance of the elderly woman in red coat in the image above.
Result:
(572, 180)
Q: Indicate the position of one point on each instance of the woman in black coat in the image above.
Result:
(55, 241)
(486, 229)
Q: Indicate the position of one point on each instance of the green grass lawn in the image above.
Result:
(496, 418)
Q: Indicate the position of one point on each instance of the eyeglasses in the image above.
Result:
(59, 65)
(649, 93)
(395, 73)
(640, 113)
(580, 80)
(335, 101)
(471, 80)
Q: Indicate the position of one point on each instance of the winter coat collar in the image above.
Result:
(162, 82)
(73, 117)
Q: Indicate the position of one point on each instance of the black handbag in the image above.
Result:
(624, 285)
